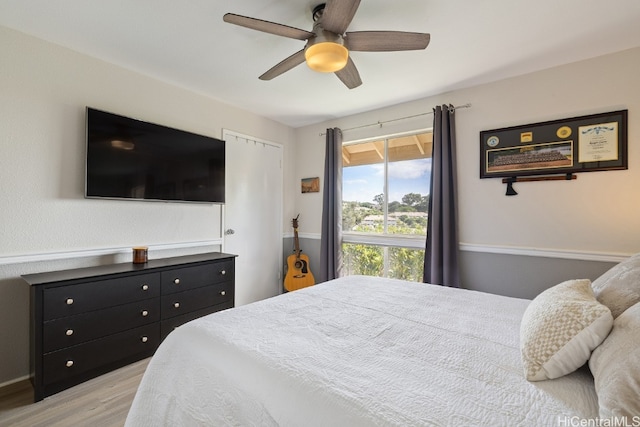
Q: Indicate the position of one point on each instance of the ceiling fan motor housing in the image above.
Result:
(326, 51)
(316, 14)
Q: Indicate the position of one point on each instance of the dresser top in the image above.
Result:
(127, 267)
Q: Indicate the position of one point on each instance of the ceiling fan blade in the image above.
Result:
(284, 66)
(267, 26)
(385, 41)
(349, 75)
(337, 15)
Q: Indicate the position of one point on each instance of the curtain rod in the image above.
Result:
(467, 105)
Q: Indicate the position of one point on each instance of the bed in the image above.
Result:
(358, 351)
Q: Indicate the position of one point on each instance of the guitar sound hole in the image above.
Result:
(298, 264)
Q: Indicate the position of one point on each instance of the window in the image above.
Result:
(385, 196)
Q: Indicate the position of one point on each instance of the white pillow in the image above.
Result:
(560, 329)
(615, 365)
(619, 288)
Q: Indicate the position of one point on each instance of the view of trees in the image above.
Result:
(355, 213)
(404, 263)
(408, 217)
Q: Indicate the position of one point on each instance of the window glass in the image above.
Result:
(389, 197)
(406, 264)
(366, 260)
(408, 196)
(362, 206)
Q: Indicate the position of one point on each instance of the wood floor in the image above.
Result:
(100, 402)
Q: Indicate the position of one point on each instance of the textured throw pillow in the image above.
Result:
(619, 288)
(560, 329)
(615, 365)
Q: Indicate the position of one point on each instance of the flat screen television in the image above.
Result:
(133, 159)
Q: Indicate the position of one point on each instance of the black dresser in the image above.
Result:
(88, 321)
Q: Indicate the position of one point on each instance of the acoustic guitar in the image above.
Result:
(298, 274)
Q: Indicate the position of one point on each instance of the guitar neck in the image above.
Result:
(296, 243)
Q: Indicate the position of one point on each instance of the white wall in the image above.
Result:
(596, 215)
(45, 223)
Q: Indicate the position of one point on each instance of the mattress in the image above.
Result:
(356, 351)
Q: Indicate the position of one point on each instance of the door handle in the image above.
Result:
(229, 231)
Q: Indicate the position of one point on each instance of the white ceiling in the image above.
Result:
(186, 43)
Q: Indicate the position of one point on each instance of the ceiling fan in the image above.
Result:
(328, 45)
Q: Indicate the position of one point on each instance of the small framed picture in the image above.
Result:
(310, 185)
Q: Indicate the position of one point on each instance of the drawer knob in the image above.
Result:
(176, 281)
(145, 313)
(176, 304)
(69, 332)
(69, 363)
(223, 293)
(69, 301)
(144, 339)
(145, 287)
(223, 272)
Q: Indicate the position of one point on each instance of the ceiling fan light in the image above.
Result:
(326, 57)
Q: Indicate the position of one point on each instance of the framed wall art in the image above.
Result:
(579, 144)
(310, 185)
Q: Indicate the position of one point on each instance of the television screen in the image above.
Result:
(132, 159)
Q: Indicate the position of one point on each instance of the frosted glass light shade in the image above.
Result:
(326, 57)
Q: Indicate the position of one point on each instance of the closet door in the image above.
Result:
(252, 220)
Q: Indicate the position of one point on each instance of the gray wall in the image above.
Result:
(522, 276)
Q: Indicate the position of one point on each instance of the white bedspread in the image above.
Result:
(357, 351)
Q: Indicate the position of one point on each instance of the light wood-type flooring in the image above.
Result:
(100, 402)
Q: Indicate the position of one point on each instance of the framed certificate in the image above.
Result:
(598, 143)
(578, 144)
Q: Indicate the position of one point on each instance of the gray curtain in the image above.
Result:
(441, 254)
(330, 251)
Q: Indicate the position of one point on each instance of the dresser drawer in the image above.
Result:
(69, 362)
(93, 295)
(74, 330)
(182, 279)
(183, 302)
